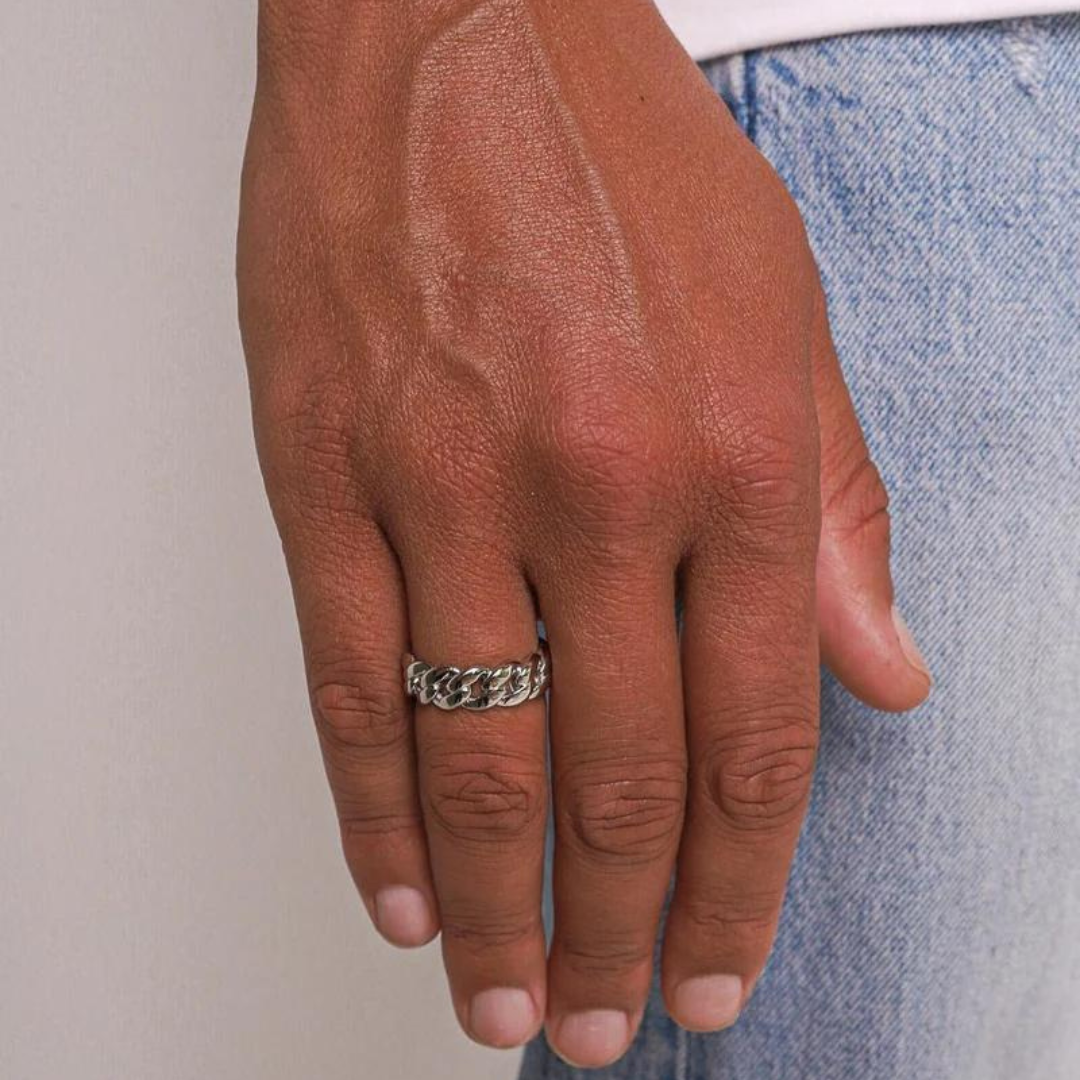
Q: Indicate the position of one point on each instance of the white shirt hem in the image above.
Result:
(708, 30)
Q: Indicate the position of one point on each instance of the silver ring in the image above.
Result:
(479, 688)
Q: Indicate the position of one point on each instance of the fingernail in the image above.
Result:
(907, 645)
(590, 1040)
(709, 1002)
(503, 1017)
(403, 916)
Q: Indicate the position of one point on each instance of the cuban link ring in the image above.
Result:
(479, 688)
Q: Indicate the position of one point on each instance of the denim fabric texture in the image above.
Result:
(932, 930)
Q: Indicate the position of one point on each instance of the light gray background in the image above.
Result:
(172, 901)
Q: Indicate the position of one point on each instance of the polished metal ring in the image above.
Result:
(479, 688)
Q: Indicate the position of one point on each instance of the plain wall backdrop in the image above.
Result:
(173, 903)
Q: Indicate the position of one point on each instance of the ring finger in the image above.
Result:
(483, 785)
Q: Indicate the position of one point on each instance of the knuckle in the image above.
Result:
(768, 491)
(627, 815)
(361, 731)
(766, 470)
(760, 777)
(308, 444)
(359, 720)
(601, 454)
(730, 919)
(477, 928)
(605, 952)
(857, 508)
(362, 818)
(484, 799)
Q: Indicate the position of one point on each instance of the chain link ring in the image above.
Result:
(478, 688)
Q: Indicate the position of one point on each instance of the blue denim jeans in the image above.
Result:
(932, 930)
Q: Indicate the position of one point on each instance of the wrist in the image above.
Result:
(288, 26)
(291, 27)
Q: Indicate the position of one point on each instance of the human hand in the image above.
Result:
(532, 330)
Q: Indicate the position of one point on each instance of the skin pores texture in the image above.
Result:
(533, 331)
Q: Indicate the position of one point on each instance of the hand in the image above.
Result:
(532, 330)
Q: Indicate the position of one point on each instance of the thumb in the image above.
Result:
(864, 640)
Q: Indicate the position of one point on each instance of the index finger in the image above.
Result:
(751, 685)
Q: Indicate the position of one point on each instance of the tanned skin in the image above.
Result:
(534, 331)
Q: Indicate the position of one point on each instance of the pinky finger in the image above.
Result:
(353, 622)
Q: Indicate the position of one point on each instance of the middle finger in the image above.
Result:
(619, 765)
